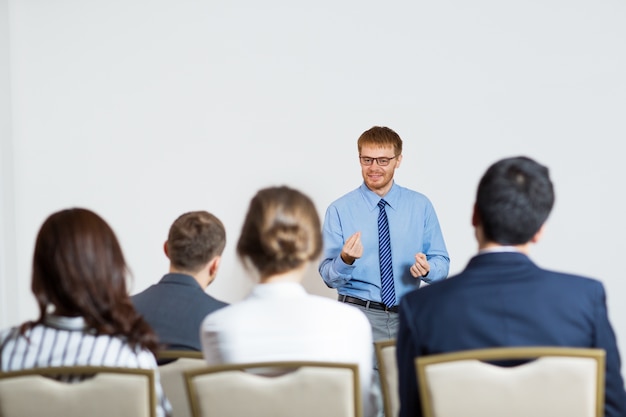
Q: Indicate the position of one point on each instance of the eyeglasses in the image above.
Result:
(383, 161)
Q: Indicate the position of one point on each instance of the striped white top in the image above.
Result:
(66, 341)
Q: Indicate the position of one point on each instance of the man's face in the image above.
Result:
(379, 178)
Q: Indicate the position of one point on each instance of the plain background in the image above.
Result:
(144, 109)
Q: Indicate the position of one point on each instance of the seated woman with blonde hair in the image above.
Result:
(85, 313)
(279, 320)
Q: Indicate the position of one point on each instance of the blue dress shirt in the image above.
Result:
(413, 226)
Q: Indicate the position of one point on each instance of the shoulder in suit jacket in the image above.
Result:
(504, 299)
(175, 308)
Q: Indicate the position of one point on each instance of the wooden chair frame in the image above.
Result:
(175, 354)
(57, 371)
(510, 353)
(172, 365)
(285, 366)
(390, 399)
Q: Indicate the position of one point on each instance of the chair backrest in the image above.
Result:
(173, 380)
(276, 389)
(551, 382)
(388, 371)
(106, 392)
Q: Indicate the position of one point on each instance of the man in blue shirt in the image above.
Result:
(350, 261)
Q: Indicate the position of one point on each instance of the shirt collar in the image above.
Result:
(278, 290)
(65, 323)
(497, 249)
(372, 198)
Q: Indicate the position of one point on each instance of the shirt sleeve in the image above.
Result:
(435, 247)
(209, 337)
(334, 271)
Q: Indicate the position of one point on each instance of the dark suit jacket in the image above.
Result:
(504, 299)
(175, 308)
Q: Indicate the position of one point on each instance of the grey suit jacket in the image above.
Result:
(175, 308)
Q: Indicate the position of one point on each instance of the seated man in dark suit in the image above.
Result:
(177, 304)
(502, 298)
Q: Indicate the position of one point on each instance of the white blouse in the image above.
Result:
(281, 321)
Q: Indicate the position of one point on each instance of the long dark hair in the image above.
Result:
(79, 268)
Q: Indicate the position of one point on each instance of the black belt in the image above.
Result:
(367, 304)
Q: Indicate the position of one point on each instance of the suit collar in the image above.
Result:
(500, 258)
(65, 323)
(180, 279)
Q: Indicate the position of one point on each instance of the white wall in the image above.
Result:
(141, 110)
(9, 307)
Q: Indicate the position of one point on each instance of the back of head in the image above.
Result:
(79, 269)
(194, 239)
(380, 137)
(514, 199)
(78, 265)
(281, 231)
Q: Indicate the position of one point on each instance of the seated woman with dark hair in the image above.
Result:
(86, 316)
(279, 320)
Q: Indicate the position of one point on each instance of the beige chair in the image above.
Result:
(119, 392)
(173, 380)
(276, 389)
(388, 371)
(552, 382)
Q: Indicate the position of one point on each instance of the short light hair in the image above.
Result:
(380, 136)
(281, 231)
(194, 239)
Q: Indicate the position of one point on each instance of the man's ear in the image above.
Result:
(214, 265)
(539, 235)
(165, 250)
(399, 161)
(475, 217)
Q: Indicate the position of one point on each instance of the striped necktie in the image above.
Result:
(384, 253)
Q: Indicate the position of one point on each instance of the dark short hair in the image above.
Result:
(194, 239)
(281, 231)
(515, 197)
(79, 268)
(380, 136)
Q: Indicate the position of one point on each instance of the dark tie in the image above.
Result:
(384, 253)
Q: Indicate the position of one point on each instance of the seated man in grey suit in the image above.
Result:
(177, 304)
(502, 298)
